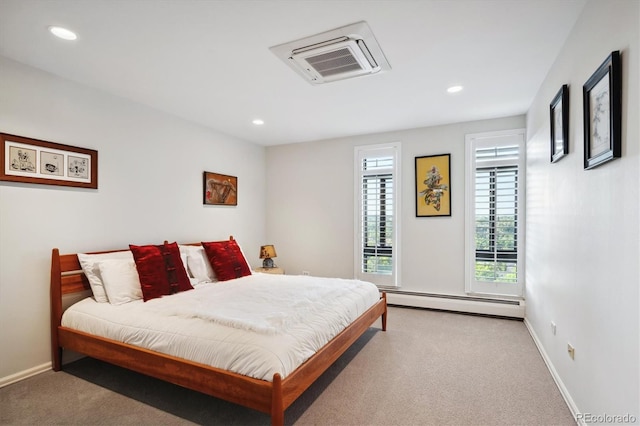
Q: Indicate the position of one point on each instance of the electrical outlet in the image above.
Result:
(571, 350)
(553, 328)
(305, 272)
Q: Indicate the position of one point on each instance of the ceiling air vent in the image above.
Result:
(345, 52)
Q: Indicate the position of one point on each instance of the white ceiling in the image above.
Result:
(209, 61)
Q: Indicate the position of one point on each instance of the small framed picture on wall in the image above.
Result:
(219, 189)
(602, 98)
(433, 185)
(559, 110)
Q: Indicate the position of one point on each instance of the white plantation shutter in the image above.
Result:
(496, 230)
(376, 218)
(377, 223)
(495, 213)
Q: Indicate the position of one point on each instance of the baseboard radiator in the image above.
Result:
(466, 304)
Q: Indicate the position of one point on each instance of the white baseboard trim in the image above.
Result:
(514, 309)
(5, 381)
(556, 377)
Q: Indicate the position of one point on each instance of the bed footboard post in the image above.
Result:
(384, 314)
(56, 309)
(277, 405)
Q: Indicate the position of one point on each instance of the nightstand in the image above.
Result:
(275, 271)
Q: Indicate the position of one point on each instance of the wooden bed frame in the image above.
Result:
(272, 398)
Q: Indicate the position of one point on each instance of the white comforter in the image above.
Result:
(256, 326)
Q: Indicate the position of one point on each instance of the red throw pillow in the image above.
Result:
(226, 259)
(160, 269)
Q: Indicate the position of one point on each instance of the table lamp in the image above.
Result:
(267, 253)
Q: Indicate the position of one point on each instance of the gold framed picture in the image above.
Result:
(433, 185)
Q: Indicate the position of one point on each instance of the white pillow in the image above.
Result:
(245, 259)
(89, 263)
(183, 258)
(184, 251)
(198, 264)
(121, 281)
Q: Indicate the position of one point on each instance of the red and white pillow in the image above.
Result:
(151, 271)
(226, 259)
(160, 269)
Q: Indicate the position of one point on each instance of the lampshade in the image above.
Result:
(267, 252)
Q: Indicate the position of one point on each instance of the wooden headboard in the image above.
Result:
(67, 277)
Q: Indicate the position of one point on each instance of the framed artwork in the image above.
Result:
(559, 110)
(219, 189)
(433, 185)
(29, 160)
(602, 98)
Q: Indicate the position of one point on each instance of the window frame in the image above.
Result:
(473, 142)
(360, 250)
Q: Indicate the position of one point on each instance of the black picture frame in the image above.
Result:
(602, 100)
(219, 189)
(559, 114)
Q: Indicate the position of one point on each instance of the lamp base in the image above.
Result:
(268, 263)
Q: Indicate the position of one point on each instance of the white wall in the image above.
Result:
(582, 226)
(150, 189)
(311, 206)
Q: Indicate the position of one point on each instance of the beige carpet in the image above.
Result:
(429, 368)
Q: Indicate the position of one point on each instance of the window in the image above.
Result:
(495, 213)
(377, 189)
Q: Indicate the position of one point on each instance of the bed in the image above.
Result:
(269, 390)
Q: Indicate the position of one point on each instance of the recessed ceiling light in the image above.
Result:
(63, 33)
(258, 122)
(454, 89)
